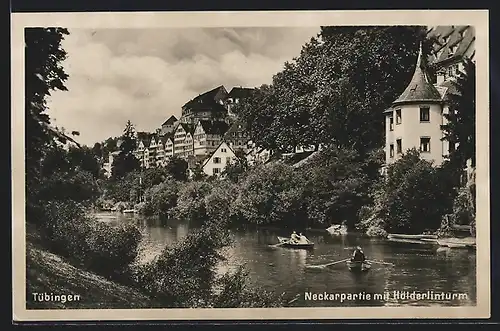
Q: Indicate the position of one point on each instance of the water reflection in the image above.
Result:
(416, 267)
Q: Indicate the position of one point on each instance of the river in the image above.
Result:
(426, 269)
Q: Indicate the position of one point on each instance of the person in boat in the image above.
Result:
(303, 239)
(294, 238)
(358, 255)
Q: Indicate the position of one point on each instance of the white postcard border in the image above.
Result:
(477, 18)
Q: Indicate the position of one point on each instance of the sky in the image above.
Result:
(146, 75)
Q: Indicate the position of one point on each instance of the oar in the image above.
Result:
(327, 264)
(381, 262)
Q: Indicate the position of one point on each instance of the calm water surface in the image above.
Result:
(417, 267)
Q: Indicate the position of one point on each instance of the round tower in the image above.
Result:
(415, 118)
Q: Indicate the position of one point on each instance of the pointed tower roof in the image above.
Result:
(420, 88)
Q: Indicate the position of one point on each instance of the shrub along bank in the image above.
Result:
(336, 186)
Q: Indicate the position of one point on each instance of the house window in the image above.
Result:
(228, 159)
(398, 116)
(223, 150)
(424, 114)
(425, 144)
(391, 123)
(216, 171)
(391, 150)
(399, 146)
(216, 159)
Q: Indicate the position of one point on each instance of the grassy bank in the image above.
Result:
(50, 273)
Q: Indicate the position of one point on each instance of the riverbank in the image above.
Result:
(50, 273)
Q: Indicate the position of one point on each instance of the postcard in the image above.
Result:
(262, 165)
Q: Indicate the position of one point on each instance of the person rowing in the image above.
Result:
(294, 238)
(358, 255)
(303, 239)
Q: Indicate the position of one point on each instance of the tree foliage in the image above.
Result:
(272, 194)
(236, 169)
(338, 185)
(407, 201)
(125, 162)
(177, 168)
(43, 74)
(461, 117)
(335, 91)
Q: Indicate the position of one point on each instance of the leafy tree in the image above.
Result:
(43, 74)
(77, 185)
(335, 91)
(126, 162)
(409, 194)
(337, 186)
(161, 198)
(177, 168)
(461, 117)
(191, 203)
(84, 158)
(235, 170)
(97, 150)
(197, 172)
(154, 176)
(272, 194)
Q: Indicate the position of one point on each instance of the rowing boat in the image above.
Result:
(411, 236)
(358, 266)
(451, 244)
(285, 242)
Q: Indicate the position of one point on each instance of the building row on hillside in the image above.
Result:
(207, 140)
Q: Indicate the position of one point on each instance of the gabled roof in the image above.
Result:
(241, 92)
(215, 151)
(447, 88)
(171, 120)
(166, 138)
(144, 137)
(186, 126)
(205, 98)
(461, 36)
(420, 88)
(213, 127)
(237, 126)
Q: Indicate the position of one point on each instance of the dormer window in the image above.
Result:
(453, 49)
(462, 33)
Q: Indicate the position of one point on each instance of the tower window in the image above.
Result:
(391, 150)
(424, 114)
(398, 116)
(391, 123)
(399, 146)
(425, 144)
